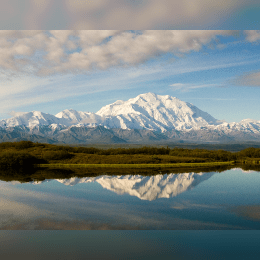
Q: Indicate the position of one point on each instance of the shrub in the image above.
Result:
(250, 152)
(56, 155)
(23, 145)
(17, 160)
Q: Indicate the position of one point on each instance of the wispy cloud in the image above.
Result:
(251, 212)
(220, 99)
(252, 35)
(31, 90)
(187, 87)
(251, 79)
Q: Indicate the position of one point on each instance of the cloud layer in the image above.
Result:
(252, 35)
(249, 79)
(50, 52)
(120, 15)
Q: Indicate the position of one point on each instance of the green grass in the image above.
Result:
(159, 165)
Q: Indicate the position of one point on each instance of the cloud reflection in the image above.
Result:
(53, 206)
(26, 209)
(251, 212)
(54, 224)
(188, 205)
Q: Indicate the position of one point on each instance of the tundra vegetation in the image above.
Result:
(25, 154)
(25, 160)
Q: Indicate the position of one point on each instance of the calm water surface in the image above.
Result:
(228, 200)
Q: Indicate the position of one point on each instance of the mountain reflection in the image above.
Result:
(144, 187)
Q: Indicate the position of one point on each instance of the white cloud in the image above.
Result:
(46, 53)
(16, 84)
(149, 14)
(188, 87)
(252, 35)
(250, 79)
(178, 85)
(123, 14)
(18, 47)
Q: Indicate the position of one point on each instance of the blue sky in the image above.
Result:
(217, 71)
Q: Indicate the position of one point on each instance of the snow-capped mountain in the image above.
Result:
(145, 187)
(155, 112)
(146, 117)
(30, 119)
(246, 125)
(70, 117)
(146, 111)
(66, 117)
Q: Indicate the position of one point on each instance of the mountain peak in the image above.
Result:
(148, 94)
(155, 112)
(30, 119)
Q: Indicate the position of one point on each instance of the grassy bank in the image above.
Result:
(143, 165)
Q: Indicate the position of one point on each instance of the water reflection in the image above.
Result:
(145, 187)
(191, 200)
(251, 212)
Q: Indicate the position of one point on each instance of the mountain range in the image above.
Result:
(146, 118)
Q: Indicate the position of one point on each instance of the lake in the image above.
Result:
(228, 200)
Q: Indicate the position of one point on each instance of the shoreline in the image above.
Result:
(159, 165)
